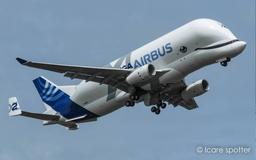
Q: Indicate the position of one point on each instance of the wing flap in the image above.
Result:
(110, 80)
(176, 99)
(189, 104)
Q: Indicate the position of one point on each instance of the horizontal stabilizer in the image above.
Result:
(40, 116)
(15, 110)
(69, 125)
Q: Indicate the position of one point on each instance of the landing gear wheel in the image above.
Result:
(153, 109)
(129, 103)
(132, 104)
(134, 97)
(224, 63)
(163, 105)
(157, 111)
(159, 104)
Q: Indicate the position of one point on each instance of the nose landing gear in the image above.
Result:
(225, 62)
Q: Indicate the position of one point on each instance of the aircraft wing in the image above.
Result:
(103, 75)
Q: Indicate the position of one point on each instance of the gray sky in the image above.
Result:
(96, 32)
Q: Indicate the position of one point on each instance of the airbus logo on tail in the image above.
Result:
(150, 57)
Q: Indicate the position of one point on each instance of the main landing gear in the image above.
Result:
(131, 102)
(157, 109)
(225, 62)
(134, 97)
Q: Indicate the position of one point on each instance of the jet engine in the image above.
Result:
(195, 89)
(141, 76)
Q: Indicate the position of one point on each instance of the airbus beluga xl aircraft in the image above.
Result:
(153, 74)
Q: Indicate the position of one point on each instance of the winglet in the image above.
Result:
(21, 61)
(14, 107)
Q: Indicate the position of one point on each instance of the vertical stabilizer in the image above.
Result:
(58, 100)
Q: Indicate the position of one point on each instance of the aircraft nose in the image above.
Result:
(242, 45)
(238, 48)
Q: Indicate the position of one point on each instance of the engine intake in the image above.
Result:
(141, 75)
(195, 89)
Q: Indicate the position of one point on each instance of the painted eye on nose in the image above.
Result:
(183, 49)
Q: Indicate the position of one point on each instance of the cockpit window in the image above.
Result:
(222, 25)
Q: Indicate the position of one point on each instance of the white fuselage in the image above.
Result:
(182, 51)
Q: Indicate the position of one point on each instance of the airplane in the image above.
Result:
(153, 74)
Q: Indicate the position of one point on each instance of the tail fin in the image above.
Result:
(51, 94)
(58, 100)
(14, 107)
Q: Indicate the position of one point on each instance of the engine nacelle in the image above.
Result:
(141, 75)
(195, 89)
